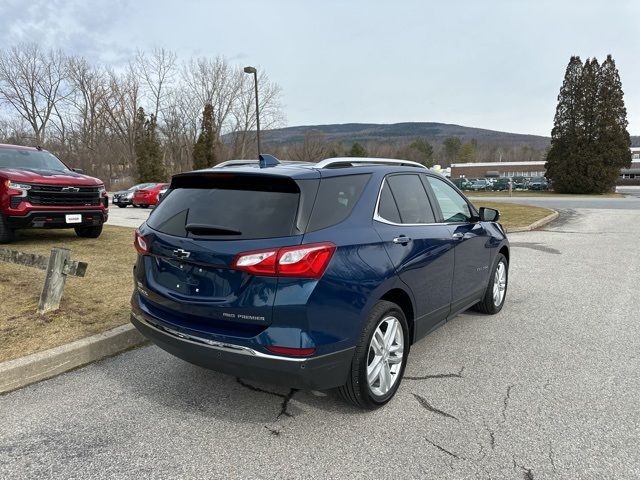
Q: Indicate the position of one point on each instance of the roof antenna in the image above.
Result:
(268, 161)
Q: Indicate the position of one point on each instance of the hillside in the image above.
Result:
(370, 132)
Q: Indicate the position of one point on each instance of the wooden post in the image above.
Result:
(54, 281)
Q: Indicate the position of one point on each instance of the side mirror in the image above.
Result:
(77, 170)
(489, 214)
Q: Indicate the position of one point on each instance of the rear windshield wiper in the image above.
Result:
(205, 229)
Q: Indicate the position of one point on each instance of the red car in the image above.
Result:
(148, 196)
(37, 190)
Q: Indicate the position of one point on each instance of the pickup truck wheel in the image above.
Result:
(89, 232)
(6, 232)
(380, 357)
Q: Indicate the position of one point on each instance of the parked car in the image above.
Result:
(519, 183)
(462, 183)
(501, 184)
(37, 190)
(143, 197)
(538, 183)
(313, 275)
(125, 197)
(481, 184)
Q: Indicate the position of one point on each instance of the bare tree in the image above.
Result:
(157, 72)
(31, 83)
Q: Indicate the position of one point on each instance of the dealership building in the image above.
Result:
(530, 169)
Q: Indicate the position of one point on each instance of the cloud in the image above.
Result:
(76, 26)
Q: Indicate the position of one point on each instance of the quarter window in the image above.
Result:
(453, 206)
(403, 199)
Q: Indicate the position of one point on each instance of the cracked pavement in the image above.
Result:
(546, 389)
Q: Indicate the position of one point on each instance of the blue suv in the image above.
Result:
(313, 276)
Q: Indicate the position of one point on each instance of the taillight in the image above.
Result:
(141, 243)
(306, 261)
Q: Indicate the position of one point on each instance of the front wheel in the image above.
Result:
(496, 292)
(122, 206)
(380, 358)
(89, 232)
(6, 232)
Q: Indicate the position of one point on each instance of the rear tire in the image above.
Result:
(89, 232)
(122, 206)
(6, 232)
(389, 350)
(496, 292)
(144, 206)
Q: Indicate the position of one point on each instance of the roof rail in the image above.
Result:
(229, 163)
(350, 161)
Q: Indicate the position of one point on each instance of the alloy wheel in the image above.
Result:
(385, 355)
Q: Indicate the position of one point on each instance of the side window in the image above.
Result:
(387, 208)
(335, 200)
(410, 199)
(454, 207)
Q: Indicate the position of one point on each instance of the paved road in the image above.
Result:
(546, 389)
(127, 217)
(631, 200)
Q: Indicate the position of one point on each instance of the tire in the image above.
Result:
(358, 390)
(144, 206)
(89, 232)
(6, 232)
(490, 304)
(122, 206)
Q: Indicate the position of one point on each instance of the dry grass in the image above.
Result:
(90, 305)
(534, 193)
(514, 215)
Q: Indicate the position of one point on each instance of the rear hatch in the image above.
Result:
(204, 221)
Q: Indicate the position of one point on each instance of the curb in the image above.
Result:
(24, 371)
(540, 223)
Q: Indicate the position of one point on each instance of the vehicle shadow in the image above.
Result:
(165, 382)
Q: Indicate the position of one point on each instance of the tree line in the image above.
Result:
(143, 119)
(315, 146)
(589, 141)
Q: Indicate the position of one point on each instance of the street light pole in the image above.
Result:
(255, 84)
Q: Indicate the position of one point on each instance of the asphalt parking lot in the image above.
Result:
(548, 388)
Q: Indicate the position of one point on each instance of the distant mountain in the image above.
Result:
(349, 133)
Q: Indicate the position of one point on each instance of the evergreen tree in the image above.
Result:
(564, 136)
(452, 146)
(147, 149)
(467, 152)
(204, 148)
(424, 149)
(357, 150)
(589, 140)
(611, 129)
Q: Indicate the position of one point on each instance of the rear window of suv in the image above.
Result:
(230, 208)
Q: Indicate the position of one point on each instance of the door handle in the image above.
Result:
(457, 236)
(402, 239)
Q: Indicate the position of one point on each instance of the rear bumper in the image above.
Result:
(316, 373)
(57, 219)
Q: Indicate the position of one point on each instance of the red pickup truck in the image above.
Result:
(37, 190)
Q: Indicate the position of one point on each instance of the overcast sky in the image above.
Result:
(494, 64)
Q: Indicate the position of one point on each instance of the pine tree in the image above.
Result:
(467, 152)
(147, 149)
(357, 150)
(564, 136)
(424, 149)
(613, 138)
(589, 140)
(204, 148)
(451, 148)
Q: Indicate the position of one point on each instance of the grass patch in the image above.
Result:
(514, 215)
(90, 305)
(535, 193)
